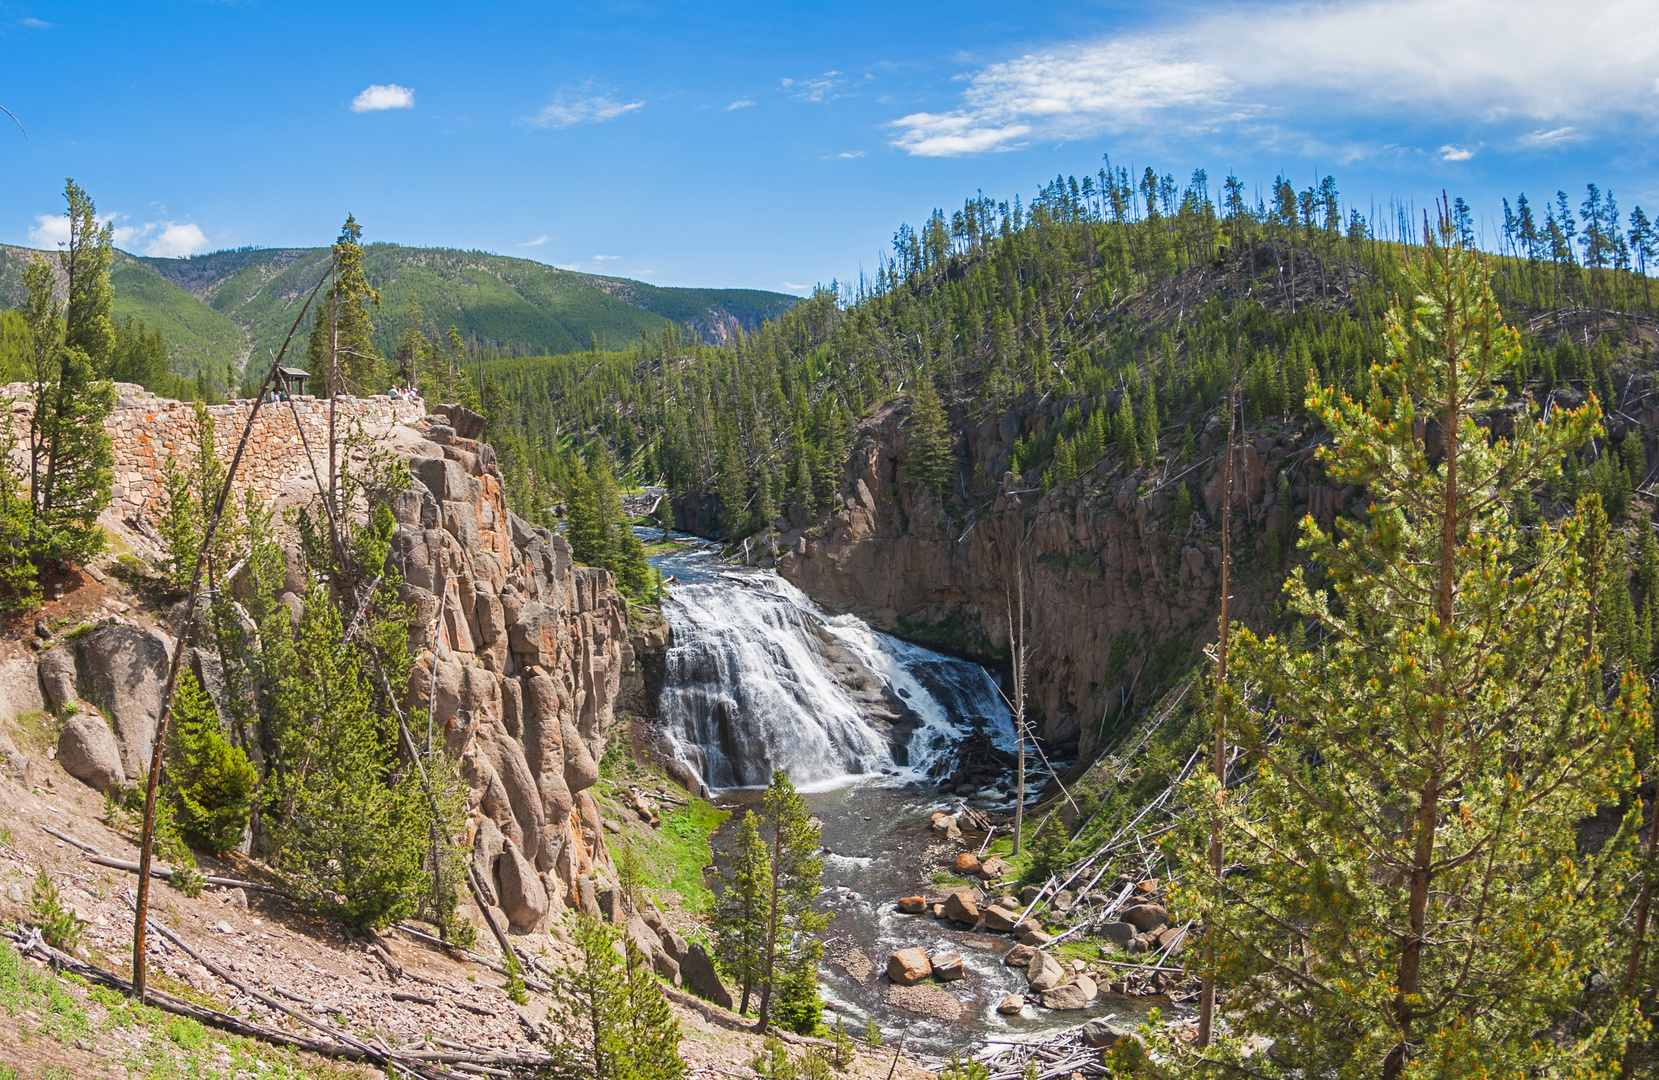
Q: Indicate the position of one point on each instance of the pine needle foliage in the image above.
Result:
(1415, 901)
(741, 915)
(790, 960)
(609, 1019)
(212, 781)
(931, 459)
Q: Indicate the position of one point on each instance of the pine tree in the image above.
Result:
(792, 889)
(343, 330)
(1048, 850)
(741, 916)
(1417, 902)
(85, 262)
(349, 822)
(730, 482)
(70, 459)
(1125, 431)
(212, 782)
(930, 458)
(609, 1020)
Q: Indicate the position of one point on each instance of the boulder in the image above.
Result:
(1012, 1005)
(14, 764)
(1146, 917)
(523, 896)
(907, 967)
(1099, 1034)
(697, 974)
(1068, 997)
(995, 868)
(1062, 901)
(947, 966)
(612, 907)
(88, 751)
(1035, 938)
(1030, 894)
(587, 899)
(673, 944)
(58, 678)
(1118, 933)
(966, 863)
(1025, 926)
(124, 669)
(912, 905)
(1000, 919)
(1019, 956)
(962, 907)
(1044, 972)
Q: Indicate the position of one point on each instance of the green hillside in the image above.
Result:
(227, 306)
(195, 333)
(520, 307)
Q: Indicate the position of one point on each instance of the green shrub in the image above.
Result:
(213, 781)
(57, 923)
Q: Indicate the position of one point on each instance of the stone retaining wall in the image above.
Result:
(145, 428)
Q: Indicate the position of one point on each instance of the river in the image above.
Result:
(758, 679)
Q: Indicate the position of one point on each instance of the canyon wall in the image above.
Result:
(1119, 595)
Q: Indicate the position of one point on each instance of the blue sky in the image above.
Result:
(777, 145)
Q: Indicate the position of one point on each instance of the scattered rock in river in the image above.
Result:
(1019, 956)
(907, 967)
(926, 999)
(1044, 972)
(948, 967)
(1099, 1034)
(966, 863)
(1000, 919)
(1012, 1005)
(962, 907)
(912, 905)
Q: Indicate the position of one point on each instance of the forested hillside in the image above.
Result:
(1116, 307)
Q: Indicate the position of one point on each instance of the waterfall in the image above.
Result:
(748, 690)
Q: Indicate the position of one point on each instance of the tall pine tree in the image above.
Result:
(1417, 903)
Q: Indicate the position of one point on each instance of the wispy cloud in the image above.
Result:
(742, 104)
(36, 24)
(1484, 61)
(792, 287)
(814, 89)
(158, 239)
(579, 106)
(1450, 152)
(1549, 138)
(850, 154)
(537, 242)
(378, 98)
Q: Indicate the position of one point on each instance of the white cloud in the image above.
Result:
(1455, 153)
(743, 104)
(850, 154)
(814, 89)
(381, 97)
(606, 258)
(1484, 60)
(176, 240)
(159, 239)
(792, 287)
(50, 230)
(537, 242)
(35, 24)
(569, 108)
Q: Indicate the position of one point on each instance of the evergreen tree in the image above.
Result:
(730, 483)
(792, 922)
(212, 781)
(609, 1020)
(85, 262)
(931, 459)
(1048, 850)
(1417, 902)
(743, 911)
(19, 580)
(70, 459)
(764, 508)
(343, 330)
(348, 820)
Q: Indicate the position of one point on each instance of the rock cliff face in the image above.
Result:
(521, 658)
(1116, 589)
(527, 672)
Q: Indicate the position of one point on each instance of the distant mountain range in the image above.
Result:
(228, 306)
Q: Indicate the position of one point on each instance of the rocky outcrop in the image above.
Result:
(1113, 580)
(87, 750)
(526, 676)
(119, 670)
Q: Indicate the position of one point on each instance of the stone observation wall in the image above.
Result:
(145, 428)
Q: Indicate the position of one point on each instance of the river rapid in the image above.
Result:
(760, 679)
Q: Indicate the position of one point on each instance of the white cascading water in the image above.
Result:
(746, 689)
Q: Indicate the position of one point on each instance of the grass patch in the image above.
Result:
(667, 547)
(682, 851)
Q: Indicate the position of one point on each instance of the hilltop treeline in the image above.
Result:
(1125, 299)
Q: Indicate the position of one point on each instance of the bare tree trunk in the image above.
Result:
(1016, 646)
(333, 388)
